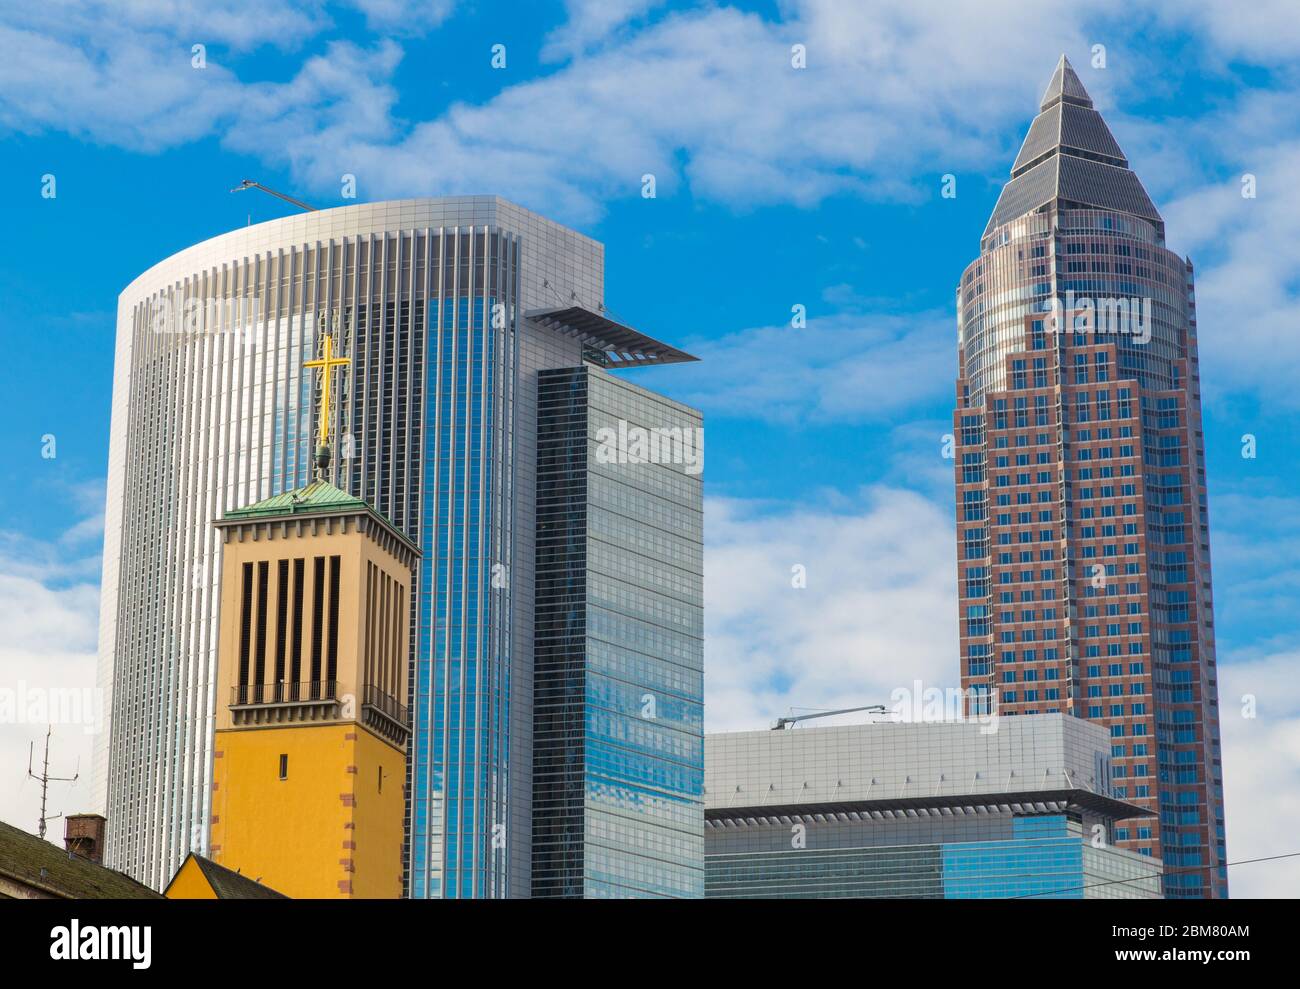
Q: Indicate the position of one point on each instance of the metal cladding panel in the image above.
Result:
(1070, 127)
(1025, 193)
(1105, 187)
(1044, 135)
(901, 760)
(1077, 180)
(1065, 83)
(1083, 128)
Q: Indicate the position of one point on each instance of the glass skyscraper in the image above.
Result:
(618, 743)
(1082, 518)
(448, 309)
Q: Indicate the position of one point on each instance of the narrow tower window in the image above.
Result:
(245, 629)
(295, 675)
(281, 625)
(317, 622)
(332, 653)
(259, 669)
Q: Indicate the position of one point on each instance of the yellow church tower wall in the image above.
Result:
(309, 765)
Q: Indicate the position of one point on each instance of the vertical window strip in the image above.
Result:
(245, 627)
(281, 625)
(263, 578)
(394, 679)
(317, 621)
(295, 676)
(366, 658)
(383, 627)
(332, 656)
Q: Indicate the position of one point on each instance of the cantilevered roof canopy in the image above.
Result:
(1015, 802)
(621, 345)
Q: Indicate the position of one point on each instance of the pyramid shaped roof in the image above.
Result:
(1070, 156)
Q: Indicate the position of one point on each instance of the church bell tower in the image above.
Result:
(309, 764)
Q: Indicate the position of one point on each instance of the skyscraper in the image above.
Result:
(1082, 520)
(446, 310)
(618, 741)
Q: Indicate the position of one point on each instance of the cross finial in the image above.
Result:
(327, 362)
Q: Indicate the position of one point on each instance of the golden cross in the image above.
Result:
(327, 363)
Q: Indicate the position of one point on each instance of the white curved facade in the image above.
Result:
(212, 410)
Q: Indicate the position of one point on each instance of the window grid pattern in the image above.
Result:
(212, 411)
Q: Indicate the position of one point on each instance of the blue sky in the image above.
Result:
(776, 187)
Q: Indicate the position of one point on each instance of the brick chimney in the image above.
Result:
(83, 834)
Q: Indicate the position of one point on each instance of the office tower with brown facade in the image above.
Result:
(1082, 518)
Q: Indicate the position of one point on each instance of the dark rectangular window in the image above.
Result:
(394, 688)
(281, 625)
(317, 621)
(263, 575)
(295, 676)
(332, 653)
(245, 625)
(368, 648)
(284, 766)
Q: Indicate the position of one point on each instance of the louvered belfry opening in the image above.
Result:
(276, 605)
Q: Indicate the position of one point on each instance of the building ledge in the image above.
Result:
(621, 345)
(1023, 802)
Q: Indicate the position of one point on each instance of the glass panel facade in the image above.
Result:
(461, 678)
(1042, 856)
(618, 717)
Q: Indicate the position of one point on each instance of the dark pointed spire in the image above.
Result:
(1070, 155)
(1065, 86)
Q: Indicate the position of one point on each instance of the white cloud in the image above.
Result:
(710, 98)
(131, 82)
(1248, 273)
(706, 96)
(1261, 30)
(894, 94)
(49, 610)
(404, 16)
(1261, 772)
(879, 609)
(591, 22)
(846, 366)
(239, 24)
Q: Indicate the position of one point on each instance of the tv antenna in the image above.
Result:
(45, 778)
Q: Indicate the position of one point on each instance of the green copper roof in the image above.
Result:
(318, 496)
